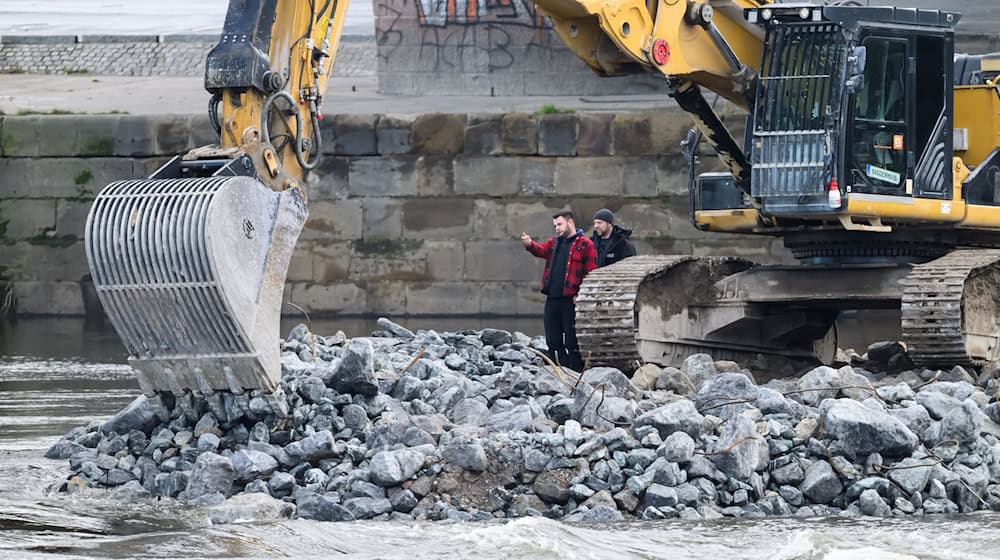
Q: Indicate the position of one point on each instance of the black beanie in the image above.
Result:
(605, 215)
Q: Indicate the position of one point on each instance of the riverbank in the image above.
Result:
(475, 426)
(81, 370)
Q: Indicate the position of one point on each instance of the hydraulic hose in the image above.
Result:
(297, 145)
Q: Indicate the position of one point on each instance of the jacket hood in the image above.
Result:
(616, 232)
(623, 231)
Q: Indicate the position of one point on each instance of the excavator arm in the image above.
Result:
(691, 43)
(190, 263)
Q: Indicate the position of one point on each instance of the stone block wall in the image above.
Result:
(409, 215)
(144, 55)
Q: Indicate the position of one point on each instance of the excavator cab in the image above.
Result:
(851, 103)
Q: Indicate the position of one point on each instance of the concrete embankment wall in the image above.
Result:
(408, 214)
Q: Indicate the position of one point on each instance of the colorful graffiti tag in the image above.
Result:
(467, 35)
(439, 13)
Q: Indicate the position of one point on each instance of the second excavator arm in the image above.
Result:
(692, 44)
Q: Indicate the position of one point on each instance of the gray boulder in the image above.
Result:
(391, 468)
(281, 484)
(140, 414)
(552, 485)
(960, 390)
(516, 419)
(363, 489)
(882, 351)
(211, 474)
(962, 424)
(821, 484)
(937, 403)
(895, 393)
(320, 445)
(170, 484)
(470, 412)
(312, 389)
(789, 473)
(680, 415)
(819, 384)
(740, 451)
(403, 501)
(63, 449)
(355, 374)
(250, 465)
(673, 379)
(857, 430)
(914, 417)
(855, 386)
(616, 383)
(469, 456)
(957, 374)
(495, 337)
(720, 395)
(597, 514)
(870, 503)
(394, 329)
(511, 355)
(699, 368)
(678, 447)
(770, 401)
(208, 442)
(364, 508)
(355, 417)
(658, 495)
(645, 377)
(911, 474)
(992, 412)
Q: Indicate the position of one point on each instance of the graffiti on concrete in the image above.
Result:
(467, 35)
(440, 13)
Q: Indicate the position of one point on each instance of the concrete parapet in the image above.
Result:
(144, 55)
(416, 214)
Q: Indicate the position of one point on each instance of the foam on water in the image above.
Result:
(529, 537)
(867, 553)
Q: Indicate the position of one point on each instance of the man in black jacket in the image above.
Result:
(611, 241)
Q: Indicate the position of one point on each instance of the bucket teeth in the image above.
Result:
(191, 274)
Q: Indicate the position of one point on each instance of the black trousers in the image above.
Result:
(560, 332)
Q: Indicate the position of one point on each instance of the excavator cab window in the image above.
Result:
(879, 139)
(900, 139)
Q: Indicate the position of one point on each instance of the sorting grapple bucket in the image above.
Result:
(191, 274)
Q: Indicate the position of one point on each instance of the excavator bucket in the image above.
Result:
(191, 274)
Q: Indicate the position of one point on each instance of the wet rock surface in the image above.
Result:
(473, 425)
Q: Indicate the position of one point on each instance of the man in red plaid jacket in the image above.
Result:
(569, 256)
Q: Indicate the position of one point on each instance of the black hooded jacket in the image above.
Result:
(615, 248)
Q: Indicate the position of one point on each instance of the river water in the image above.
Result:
(56, 374)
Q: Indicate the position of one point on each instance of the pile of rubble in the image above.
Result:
(476, 425)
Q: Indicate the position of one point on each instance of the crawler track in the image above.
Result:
(605, 309)
(949, 309)
(606, 313)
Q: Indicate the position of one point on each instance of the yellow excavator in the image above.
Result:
(190, 263)
(870, 149)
